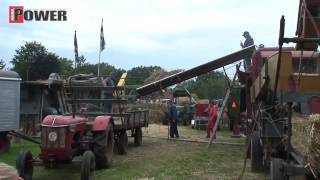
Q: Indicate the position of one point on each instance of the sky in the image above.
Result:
(173, 34)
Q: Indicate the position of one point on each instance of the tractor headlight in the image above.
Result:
(52, 136)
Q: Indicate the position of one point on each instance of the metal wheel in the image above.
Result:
(138, 136)
(256, 153)
(103, 147)
(88, 166)
(123, 142)
(276, 169)
(24, 165)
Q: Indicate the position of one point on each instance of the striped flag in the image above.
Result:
(102, 42)
(76, 54)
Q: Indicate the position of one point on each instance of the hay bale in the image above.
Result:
(300, 130)
(158, 112)
(306, 138)
(7, 172)
(313, 154)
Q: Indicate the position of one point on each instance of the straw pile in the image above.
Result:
(313, 156)
(306, 138)
(158, 112)
(7, 172)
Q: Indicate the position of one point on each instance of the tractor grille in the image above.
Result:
(60, 140)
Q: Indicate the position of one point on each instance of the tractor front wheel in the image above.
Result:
(123, 142)
(103, 147)
(88, 166)
(24, 165)
(138, 136)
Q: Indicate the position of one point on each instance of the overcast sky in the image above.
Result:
(169, 33)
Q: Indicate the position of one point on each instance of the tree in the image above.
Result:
(160, 74)
(66, 66)
(82, 60)
(138, 75)
(2, 64)
(105, 69)
(25, 57)
(44, 65)
(208, 86)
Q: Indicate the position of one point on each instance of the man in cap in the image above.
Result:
(248, 42)
(173, 118)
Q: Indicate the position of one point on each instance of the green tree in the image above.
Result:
(105, 69)
(2, 64)
(66, 66)
(138, 75)
(82, 60)
(208, 86)
(25, 57)
(44, 65)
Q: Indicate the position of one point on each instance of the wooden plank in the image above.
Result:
(199, 70)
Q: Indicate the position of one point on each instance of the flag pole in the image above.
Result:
(99, 64)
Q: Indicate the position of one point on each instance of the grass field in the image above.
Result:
(157, 159)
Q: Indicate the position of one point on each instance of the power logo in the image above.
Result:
(17, 14)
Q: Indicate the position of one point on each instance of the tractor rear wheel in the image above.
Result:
(276, 169)
(103, 147)
(256, 153)
(4, 143)
(87, 166)
(138, 136)
(24, 165)
(123, 142)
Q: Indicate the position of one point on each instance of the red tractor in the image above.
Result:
(64, 137)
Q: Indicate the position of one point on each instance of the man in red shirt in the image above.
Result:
(212, 119)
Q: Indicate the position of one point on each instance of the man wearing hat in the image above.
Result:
(173, 119)
(248, 42)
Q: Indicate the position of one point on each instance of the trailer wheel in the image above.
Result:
(123, 142)
(4, 143)
(103, 147)
(24, 165)
(256, 153)
(138, 136)
(276, 169)
(87, 166)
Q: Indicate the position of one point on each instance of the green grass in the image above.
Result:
(10, 158)
(158, 159)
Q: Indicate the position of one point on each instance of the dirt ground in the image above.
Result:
(186, 132)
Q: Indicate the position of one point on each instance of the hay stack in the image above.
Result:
(313, 155)
(7, 172)
(158, 112)
(306, 138)
(300, 132)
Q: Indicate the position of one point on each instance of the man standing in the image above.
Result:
(108, 81)
(248, 42)
(173, 118)
(212, 119)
